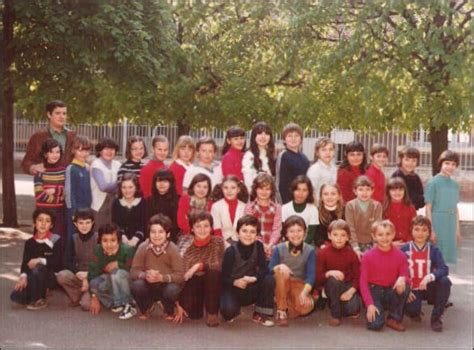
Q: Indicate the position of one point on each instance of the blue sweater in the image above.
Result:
(437, 265)
(289, 165)
(77, 187)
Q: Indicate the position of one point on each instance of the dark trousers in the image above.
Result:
(201, 291)
(145, 294)
(260, 293)
(387, 298)
(70, 229)
(437, 293)
(334, 289)
(39, 280)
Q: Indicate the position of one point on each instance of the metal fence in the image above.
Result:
(463, 143)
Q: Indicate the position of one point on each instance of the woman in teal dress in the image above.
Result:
(442, 197)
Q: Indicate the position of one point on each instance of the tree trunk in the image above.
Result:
(8, 178)
(183, 129)
(439, 143)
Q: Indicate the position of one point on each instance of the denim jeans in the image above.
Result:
(437, 293)
(112, 289)
(145, 294)
(334, 289)
(387, 298)
(38, 281)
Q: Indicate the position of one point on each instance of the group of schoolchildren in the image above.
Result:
(201, 237)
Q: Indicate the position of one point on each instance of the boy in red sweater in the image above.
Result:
(384, 279)
(338, 270)
(378, 159)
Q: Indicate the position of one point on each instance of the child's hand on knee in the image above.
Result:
(411, 297)
(21, 284)
(372, 312)
(400, 285)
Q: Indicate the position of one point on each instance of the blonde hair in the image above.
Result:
(320, 143)
(384, 224)
(183, 141)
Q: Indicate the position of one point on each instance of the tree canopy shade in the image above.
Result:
(358, 64)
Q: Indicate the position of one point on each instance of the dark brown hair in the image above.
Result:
(131, 140)
(302, 179)
(130, 177)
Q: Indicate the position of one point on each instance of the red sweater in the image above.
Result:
(345, 180)
(344, 260)
(378, 177)
(184, 208)
(146, 176)
(382, 269)
(178, 172)
(232, 163)
(401, 216)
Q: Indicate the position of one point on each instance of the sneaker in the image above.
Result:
(394, 324)
(128, 312)
(212, 320)
(117, 309)
(334, 322)
(262, 319)
(437, 325)
(37, 305)
(282, 318)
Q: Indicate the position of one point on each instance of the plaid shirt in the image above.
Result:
(269, 218)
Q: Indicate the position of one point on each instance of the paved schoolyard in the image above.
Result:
(60, 326)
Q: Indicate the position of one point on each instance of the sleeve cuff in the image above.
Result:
(433, 277)
(308, 287)
(23, 275)
(43, 261)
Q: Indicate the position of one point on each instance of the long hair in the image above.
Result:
(260, 181)
(302, 179)
(325, 216)
(258, 128)
(218, 192)
(393, 183)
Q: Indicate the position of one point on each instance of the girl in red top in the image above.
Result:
(233, 152)
(399, 209)
(183, 157)
(353, 165)
(196, 200)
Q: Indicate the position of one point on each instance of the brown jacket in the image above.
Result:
(360, 222)
(32, 155)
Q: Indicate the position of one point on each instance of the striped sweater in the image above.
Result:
(51, 180)
(210, 255)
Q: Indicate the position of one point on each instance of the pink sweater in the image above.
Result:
(232, 163)
(382, 269)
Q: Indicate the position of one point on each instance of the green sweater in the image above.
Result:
(99, 260)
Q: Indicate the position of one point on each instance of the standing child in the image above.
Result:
(338, 270)
(230, 198)
(378, 159)
(302, 204)
(244, 276)
(206, 149)
(293, 266)
(442, 197)
(361, 213)
(330, 208)
(49, 187)
(260, 157)
(129, 211)
(160, 146)
(399, 210)
(352, 166)
(157, 270)
(262, 205)
(41, 259)
(197, 199)
(104, 171)
(291, 161)
(202, 265)
(74, 278)
(109, 274)
(324, 170)
(384, 279)
(428, 272)
(77, 187)
(164, 200)
(408, 160)
(134, 152)
(233, 152)
(182, 158)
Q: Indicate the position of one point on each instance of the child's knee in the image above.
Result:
(444, 282)
(63, 276)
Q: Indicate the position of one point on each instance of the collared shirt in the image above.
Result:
(59, 136)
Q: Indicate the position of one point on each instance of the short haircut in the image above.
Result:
(131, 140)
(80, 143)
(248, 220)
(292, 221)
(379, 148)
(200, 178)
(384, 224)
(109, 229)
(354, 146)
(421, 220)
(340, 224)
(183, 141)
(129, 177)
(409, 152)
(302, 179)
(448, 155)
(262, 179)
(393, 183)
(162, 220)
(320, 143)
(105, 142)
(47, 146)
(38, 211)
(159, 138)
(200, 216)
(292, 127)
(206, 140)
(363, 181)
(52, 105)
(83, 214)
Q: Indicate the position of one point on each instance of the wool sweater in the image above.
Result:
(214, 173)
(289, 165)
(146, 175)
(269, 219)
(382, 269)
(184, 209)
(249, 171)
(401, 216)
(77, 188)
(360, 221)
(222, 218)
(166, 205)
(345, 180)
(170, 263)
(308, 212)
(130, 167)
(82, 251)
(178, 168)
(52, 178)
(210, 255)
(48, 250)
(99, 260)
(103, 180)
(232, 163)
(344, 260)
(320, 173)
(378, 177)
(414, 186)
(130, 218)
